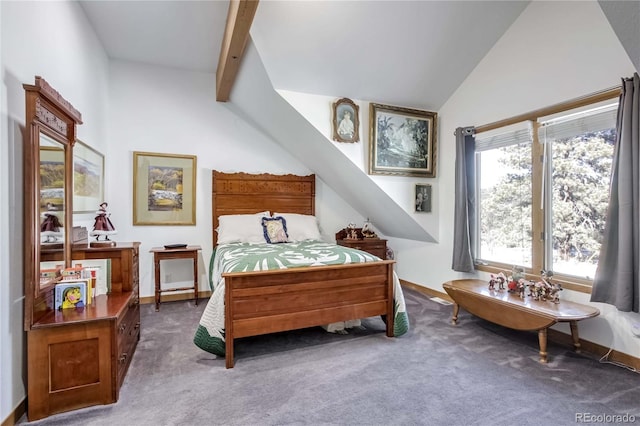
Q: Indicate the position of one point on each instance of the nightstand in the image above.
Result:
(375, 246)
(162, 253)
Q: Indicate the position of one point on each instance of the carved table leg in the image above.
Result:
(195, 276)
(156, 262)
(454, 318)
(542, 339)
(574, 335)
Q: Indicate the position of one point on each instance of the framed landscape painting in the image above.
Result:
(164, 189)
(88, 178)
(402, 141)
(51, 179)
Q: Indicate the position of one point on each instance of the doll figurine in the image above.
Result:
(50, 227)
(103, 225)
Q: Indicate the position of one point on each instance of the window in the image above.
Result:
(578, 155)
(543, 190)
(503, 167)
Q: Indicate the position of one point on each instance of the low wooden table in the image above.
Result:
(161, 253)
(509, 310)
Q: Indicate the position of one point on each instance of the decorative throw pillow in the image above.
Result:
(275, 229)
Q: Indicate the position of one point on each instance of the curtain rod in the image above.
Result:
(602, 95)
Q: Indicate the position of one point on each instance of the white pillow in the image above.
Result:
(301, 227)
(241, 228)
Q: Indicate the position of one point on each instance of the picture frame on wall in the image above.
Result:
(88, 178)
(164, 189)
(422, 198)
(345, 121)
(402, 141)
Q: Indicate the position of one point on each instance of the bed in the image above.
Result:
(320, 283)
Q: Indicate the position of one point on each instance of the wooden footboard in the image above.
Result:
(278, 300)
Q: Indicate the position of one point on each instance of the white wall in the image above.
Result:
(170, 111)
(554, 52)
(126, 107)
(317, 109)
(63, 49)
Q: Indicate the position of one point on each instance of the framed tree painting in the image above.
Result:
(345, 121)
(88, 178)
(402, 141)
(164, 189)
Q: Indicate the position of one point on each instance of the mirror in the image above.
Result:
(51, 209)
(48, 160)
(51, 205)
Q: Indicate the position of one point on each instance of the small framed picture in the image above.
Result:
(423, 198)
(345, 121)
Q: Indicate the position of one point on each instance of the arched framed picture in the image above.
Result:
(345, 121)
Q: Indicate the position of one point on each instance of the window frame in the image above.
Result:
(538, 225)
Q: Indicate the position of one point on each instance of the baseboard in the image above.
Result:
(554, 336)
(17, 413)
(596, 349)
(175, 297)
(425, 290)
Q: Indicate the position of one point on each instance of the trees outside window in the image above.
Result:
(558, 226)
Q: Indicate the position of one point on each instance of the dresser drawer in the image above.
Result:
(376, 247)
(128, 333)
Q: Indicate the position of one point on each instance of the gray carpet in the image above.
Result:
(475, 373)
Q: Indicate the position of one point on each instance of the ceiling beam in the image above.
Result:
(236, 34)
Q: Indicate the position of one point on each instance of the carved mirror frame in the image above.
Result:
(48, 116)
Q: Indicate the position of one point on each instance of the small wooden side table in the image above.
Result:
(161, 253)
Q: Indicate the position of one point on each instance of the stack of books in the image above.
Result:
(90, 279)
(76, 287)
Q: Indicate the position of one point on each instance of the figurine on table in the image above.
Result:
(367, 230)
(103, 225)
(352, 234)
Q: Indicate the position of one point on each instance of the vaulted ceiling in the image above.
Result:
(358, 49)
(361, 50)
(409, 53)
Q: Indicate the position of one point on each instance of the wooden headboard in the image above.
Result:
(243, 193)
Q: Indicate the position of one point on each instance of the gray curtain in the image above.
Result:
(617, 280)
(465, 200)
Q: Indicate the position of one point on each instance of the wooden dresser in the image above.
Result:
(79, 357)
(375, 246)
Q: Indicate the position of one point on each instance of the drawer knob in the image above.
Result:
(123, 327)
(123, 358)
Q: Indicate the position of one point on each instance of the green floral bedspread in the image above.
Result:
(242, 257)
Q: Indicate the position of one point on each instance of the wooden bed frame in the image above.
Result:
(279, 300)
